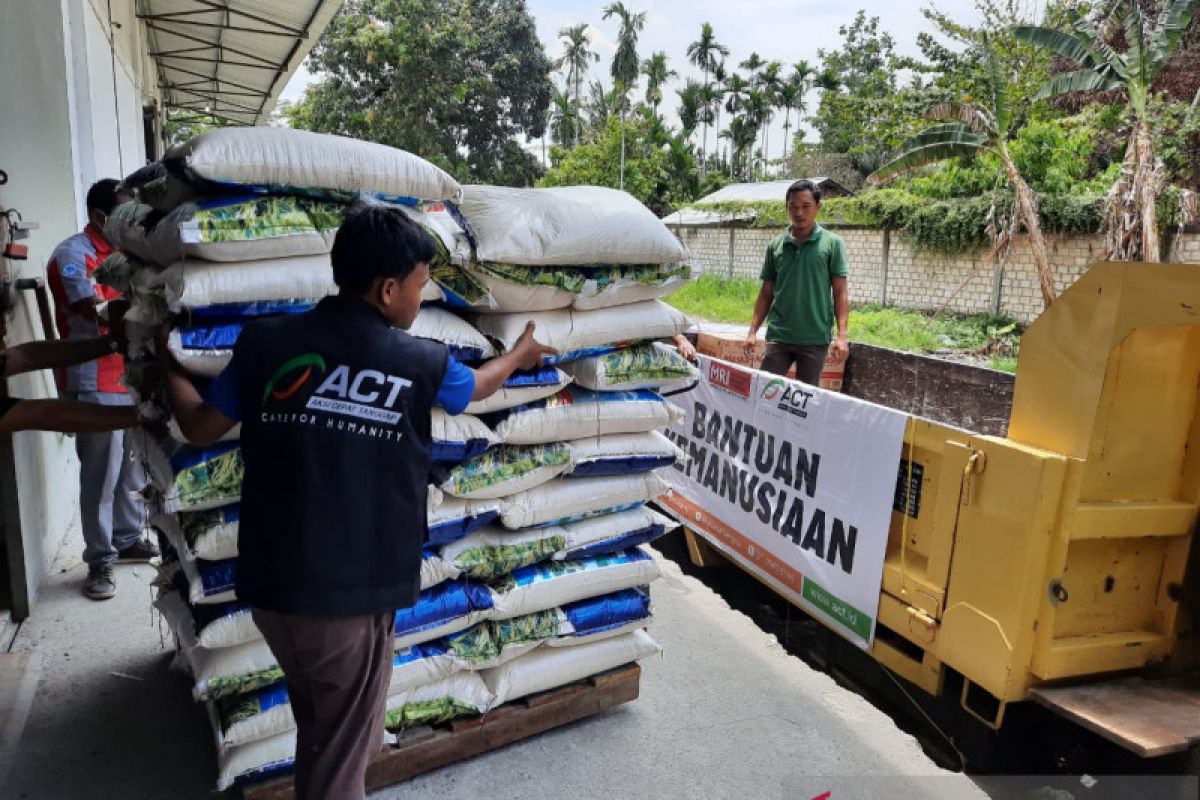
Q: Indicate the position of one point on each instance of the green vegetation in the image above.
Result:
(979, 338)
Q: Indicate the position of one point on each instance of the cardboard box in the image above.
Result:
(732, 348)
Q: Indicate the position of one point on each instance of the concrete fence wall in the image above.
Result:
(886, 268)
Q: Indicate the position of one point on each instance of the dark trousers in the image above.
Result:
(337, 671)
(808, 358)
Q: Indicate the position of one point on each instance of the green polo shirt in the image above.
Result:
(803, 276)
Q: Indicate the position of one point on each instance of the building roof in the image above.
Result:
(742, 193)
(230, 59)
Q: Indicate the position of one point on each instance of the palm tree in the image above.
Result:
(576, 58)
(625, 61)
(968, 129)
(705, 52)
(757, 109)
(710, 98)
(689, 107)
(564, 118)
(736, 89)
(1130, 219)
(772, 82)
(657, 73)
(719, 76)
(741, 135)
(827, 81)
(752, 65)
(600, 105)
(791, 96)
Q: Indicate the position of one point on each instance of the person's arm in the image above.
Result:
(685, 347)
(841, 312)
(67, 416)
(526, 354)
(762, 306)
(59, 353)
(201, 422)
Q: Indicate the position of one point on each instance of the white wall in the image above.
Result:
(58, 134)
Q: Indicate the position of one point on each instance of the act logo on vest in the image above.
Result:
(365, 394)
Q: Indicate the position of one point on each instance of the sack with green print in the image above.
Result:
(222, 671)
(515, 288)
(189, 478)
(544, 586)
(247, 228)
(506, 470)
(462, 694)
(644, 366)
(492, 552)
(550, 667)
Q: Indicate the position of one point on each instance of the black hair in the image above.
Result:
(803, 185)
(377, 241)
(102, 196)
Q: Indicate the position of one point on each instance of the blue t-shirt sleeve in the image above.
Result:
(223, 394)
(458, 385)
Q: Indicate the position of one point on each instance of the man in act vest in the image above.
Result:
(335, 409)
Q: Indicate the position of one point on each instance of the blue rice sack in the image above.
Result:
(622, 454)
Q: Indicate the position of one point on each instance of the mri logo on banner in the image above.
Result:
(787, 396)
(725, 376)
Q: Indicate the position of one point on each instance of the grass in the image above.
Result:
(977, 338)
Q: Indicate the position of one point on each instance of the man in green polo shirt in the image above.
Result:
(803, 292)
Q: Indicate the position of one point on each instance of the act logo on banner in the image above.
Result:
(793, 482)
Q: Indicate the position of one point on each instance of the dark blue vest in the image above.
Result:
(336, 443)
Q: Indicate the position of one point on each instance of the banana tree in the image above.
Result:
(1131, 223)
(969, 129)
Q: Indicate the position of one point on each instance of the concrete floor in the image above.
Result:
(724, 712)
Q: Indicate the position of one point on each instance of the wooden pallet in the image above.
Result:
(427, 748)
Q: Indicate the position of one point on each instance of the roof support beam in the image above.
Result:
(219, 99)
(213, 45)
(218, 26)
(223, 93)
(234, 84)
(300, 34)
(205, 60)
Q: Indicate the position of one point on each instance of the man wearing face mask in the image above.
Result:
(335, 409)
(108, 478)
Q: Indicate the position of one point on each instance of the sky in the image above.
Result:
(778, 30)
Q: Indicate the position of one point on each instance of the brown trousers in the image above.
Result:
(809, 359)
(337, 671)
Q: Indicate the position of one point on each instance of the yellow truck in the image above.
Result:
(1052, 564)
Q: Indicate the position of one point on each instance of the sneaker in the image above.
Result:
(100, 583)
(140, 552)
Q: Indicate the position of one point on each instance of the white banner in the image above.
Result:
(794, 483)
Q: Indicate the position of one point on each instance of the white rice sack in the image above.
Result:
(624, 291)
(572, 499)
(548, 668)
(459, 437)
(576, 413)
(643, 366)
(514, 288)
(590, 619)
(451, 518)
(505, 294)
(459, 695)
(576, 334)
(256, 760)
(206, 362)
(253, 716)
(209, 582)
(196, 284)
(435, 571)
(568, 225)
(506, 470)
(622, 454)
(492, 551)
(217, 672)
(209, 535)
(420, 665)
(523, 386)
(279, 159)
(226, 229)
(466, 344)
(227, 626)
(556, 583)
(446, 608)
(610, 533)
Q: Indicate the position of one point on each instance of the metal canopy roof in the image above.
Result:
(230, 59)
